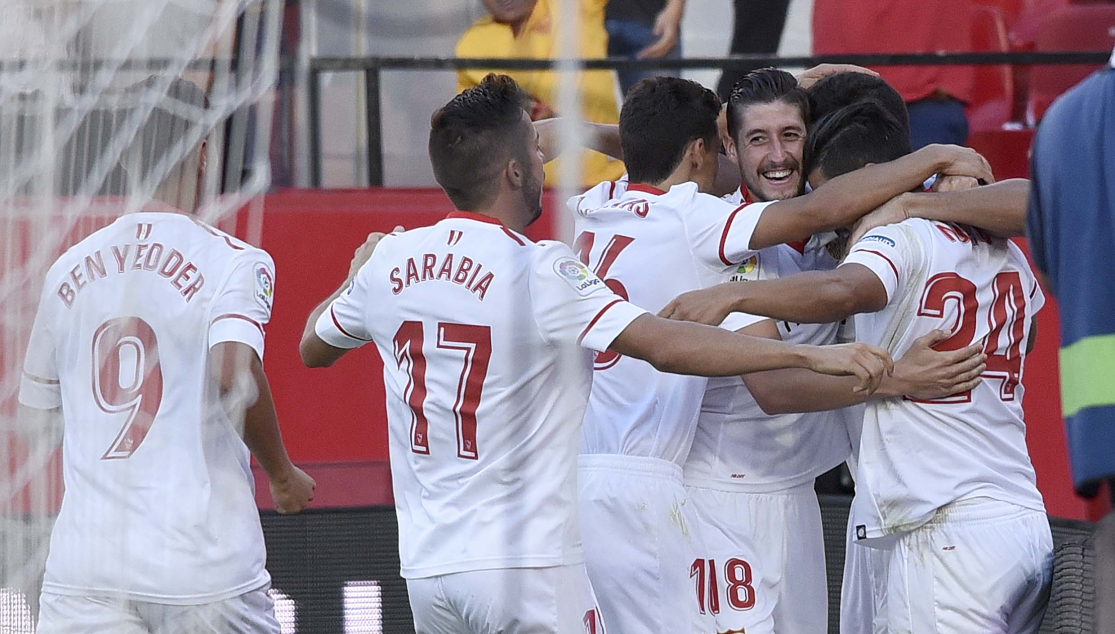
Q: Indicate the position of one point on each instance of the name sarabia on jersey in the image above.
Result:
(184, 276)
(463, 271)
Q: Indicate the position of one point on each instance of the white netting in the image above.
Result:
(104, 105)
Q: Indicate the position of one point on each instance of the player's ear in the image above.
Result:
(695, 154)
(730, 149)
(515, 173)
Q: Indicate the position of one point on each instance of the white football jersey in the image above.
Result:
(651, 246)
(479, 329)
(737, 445)
(915, 456)
(160, 501)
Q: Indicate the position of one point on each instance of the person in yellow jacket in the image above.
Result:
(528, 29)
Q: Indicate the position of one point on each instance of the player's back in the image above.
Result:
(916, 456)
(643, 243)
(486, 391)
(159, 500)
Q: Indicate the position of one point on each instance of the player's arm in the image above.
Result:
(814, 297)
(245, 390)
(570, 304)
(315, 352)
(999, 208)
(686, 348)
(602, 137)
(845, 199)
(921, 373)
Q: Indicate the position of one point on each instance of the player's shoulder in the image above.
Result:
(597, 196)
(221, 241)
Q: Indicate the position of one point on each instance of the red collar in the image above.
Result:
(472, 215)
(646, 189)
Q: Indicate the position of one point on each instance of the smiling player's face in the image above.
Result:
(769, 150)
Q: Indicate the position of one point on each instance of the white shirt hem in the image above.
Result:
(259, 582)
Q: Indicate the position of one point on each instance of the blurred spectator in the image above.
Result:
(757, 29)
(644, 29)
(1071, 232)
(528, 29)
(935, 95)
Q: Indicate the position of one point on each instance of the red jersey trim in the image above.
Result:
(595, 319)
(213, 232)
(511, 234)
(798, 245)
(724, 236)
(611, 190)
(889, 261)
(342, 329)
(241, 317)
(646, 189)
(39, 379)
(472, 215)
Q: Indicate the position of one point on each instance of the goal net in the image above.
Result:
(106, 105)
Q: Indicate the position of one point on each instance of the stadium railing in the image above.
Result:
(372, 68)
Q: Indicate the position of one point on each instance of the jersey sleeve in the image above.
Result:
(344, 323)
(243, 306)
(39, 386)
(890, 253)
(720, 234)
(571, 304)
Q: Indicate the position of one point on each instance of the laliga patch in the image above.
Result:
(577, 275)
(265, 286)
(874, 237)
(748, 270)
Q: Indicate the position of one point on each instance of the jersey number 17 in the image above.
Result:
(474, 343)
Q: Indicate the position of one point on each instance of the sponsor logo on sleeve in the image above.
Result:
(577, 275)
(265, 286)
(748, 270)
(874, 237)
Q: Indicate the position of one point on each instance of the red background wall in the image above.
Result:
(334, 421)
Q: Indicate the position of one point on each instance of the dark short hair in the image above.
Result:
(661, 116)
(854, 136)
(766, 85)
(473, 136)
(844, 89)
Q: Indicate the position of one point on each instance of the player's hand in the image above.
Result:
(667, 27)
(707, 306)
(869, 363)
(924, 373)
(954, 184)
(293, 491)
(364, 252)
(891, 212)
(807, 78)
(962, 161)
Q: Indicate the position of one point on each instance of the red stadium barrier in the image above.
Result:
(334, 421)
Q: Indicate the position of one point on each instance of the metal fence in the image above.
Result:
(372, 67)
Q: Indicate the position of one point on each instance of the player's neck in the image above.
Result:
(678, 177)
(509, 215)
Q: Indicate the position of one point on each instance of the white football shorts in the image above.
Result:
(769, 549)
(641, 537)
(980, 565)
(553, 600)
(249, 613)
